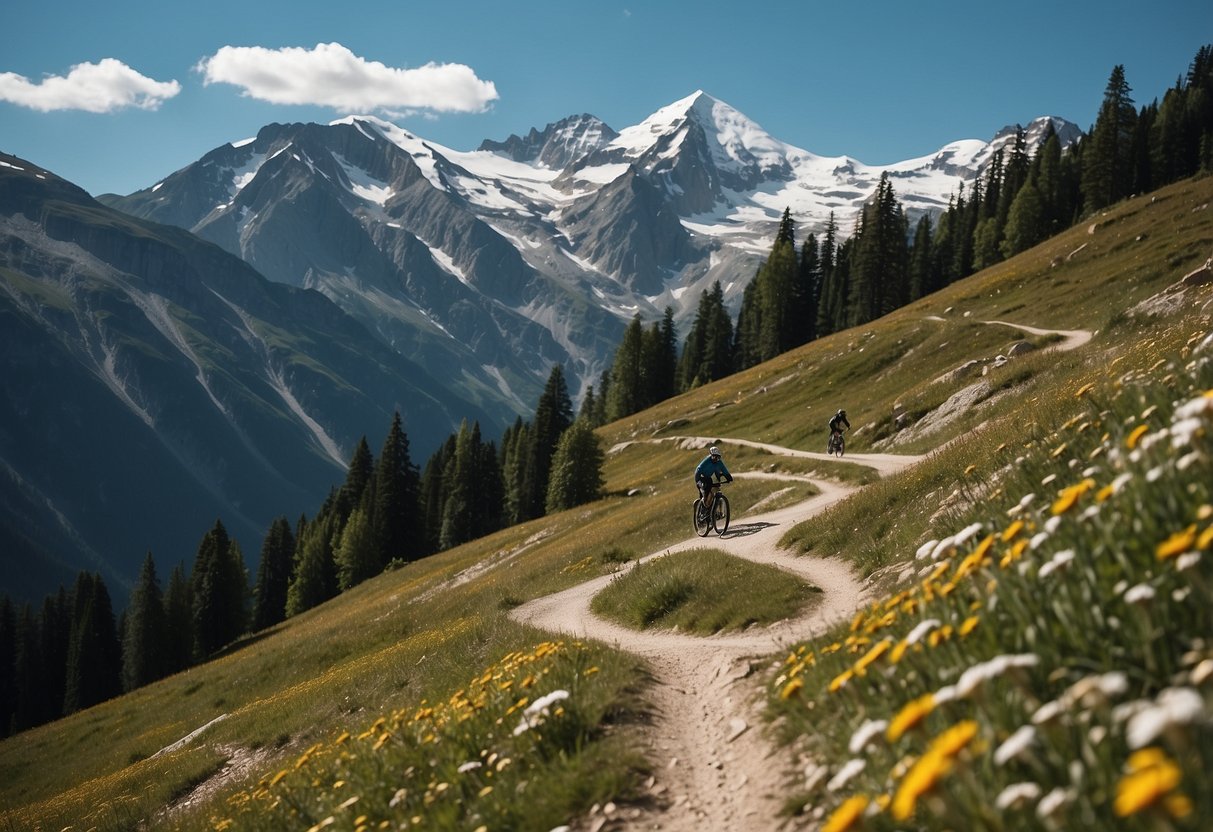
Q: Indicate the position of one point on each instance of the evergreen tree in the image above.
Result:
(921, 276)
(747, 350)
(395, 514)
(143, 653)
(553, 415)
(1046, 173)
(274, 574)
(589, 408)
(460, 480)
(488, 494)
(8, 659)
(708, 353)
(94, 656)
(356, 554)
(626, 395)
(218, 592)
(358, 478)
(827, 296)
(1107, 166)
(776, 295)
(314, 578)
(787, 229)
(576, 469)
(29, 707)
(178, 622)
(432, 491)
(806, 293)
(1025, 225)
(515, 445)
(879, 283)
(658, 361)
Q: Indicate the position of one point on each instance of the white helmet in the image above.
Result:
(714, 451)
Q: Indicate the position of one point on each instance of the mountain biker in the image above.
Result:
(836, 423)
(712, 465)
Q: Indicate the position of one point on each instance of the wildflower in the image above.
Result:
(1187, 560)
(837, 683)
(921, 630)
(278, 778)
(1140, 594)
(1173, 706)
(864, 734)
(1014, 745)
(1052, 802)
(538, 711)
(1016, 795)
(851, 769)
(1048, 712)
(1176, 544)
(910, 715)
(969, 625)
(844, 816)
(952, 741)
(1082, 391)
(1151, 775)
(1010, 532)
(1137, 434)
(791, 688)
(485, 792)
(920, 780)
(471, 765)
(872, 655)
(1097, 689)
(1058, 561)
(1070, 496)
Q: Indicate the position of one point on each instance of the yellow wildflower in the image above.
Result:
(1176, 544)
(872, 655)
(791, 688)
(1058, 451)
(969, 625)
(840, 680)
(278, 778)
(914, 712)
(1152, 775)
(845, 816)
(1069, 496)
(1082, 391)
(921, 778)
(1136, 435)
(898, 651)
(952, 741)
(1206, 539)
(1010, 532)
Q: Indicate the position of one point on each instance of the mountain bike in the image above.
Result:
(712, 516)
(836, 444)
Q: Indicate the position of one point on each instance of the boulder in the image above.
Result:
(1019, 348)
(1199, 277)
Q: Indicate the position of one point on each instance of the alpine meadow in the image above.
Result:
(993, 611)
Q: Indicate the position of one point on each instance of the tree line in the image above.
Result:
(828, 285)
(73, 652)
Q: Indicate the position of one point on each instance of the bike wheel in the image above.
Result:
(720, 514)
(700, 519)
(841, 447)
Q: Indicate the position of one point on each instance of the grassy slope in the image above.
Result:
(417, 635)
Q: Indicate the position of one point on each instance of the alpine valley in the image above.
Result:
(216, 344)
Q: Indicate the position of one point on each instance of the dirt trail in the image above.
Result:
(714, 769)
(711, 760)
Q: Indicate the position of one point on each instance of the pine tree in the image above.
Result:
(708, 353)
(178, 622)
(553, 415)
(776, 295)
(218, 592)
(1107, 168)
(460, 480)
(1025, 225)
(658, 361)
(432, 490)
(879, 283)
(29, 704)
(395, 510)
(515, 445)
(920, 275)
(576, 469)
(314, 577)
(828, 293)
(273, 575)
(94, 656)
(356, 554)
(627, 395)
(8, 658)
(747, 349)
(806, 294)
(589, 408)
(143, 649)
(358, 478)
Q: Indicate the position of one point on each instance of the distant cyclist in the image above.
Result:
(712, 465)
(836, 423)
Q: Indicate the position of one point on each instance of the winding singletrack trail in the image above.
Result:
(713, 768)
(711, 763)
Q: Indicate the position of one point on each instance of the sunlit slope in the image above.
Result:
(411, 639)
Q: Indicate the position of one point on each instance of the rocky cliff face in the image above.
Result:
(152, 382)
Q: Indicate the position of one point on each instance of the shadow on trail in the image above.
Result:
(746, 529)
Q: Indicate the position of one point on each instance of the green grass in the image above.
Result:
(415, 637)
(702, 591)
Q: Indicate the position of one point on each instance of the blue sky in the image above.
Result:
(158, 84)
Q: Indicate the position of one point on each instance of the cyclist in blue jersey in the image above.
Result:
(712, 465)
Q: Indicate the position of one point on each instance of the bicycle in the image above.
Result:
(836, 444)
(713, 516)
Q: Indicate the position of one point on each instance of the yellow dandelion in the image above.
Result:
(278, 778)
(952, 741)
(791, 688)
(898, 651)
(921, 778)
(1206, 539)
(345, 735)
(1070, 496)
(1082, 391)
(970, 469)
(914, 712)
(1011, 531)
(840, 680)
(1136, 435)
(591, 671)
(969, 625)
(872, 655)
(1176, 544)
(382, 741)
(1152, 775)
(1058, 451)
(845, 816)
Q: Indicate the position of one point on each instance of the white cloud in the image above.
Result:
(331, 75)
(96, 88)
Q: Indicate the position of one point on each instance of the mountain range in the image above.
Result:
(215, 344)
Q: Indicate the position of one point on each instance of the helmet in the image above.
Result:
(714, 451)
(841, 412)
